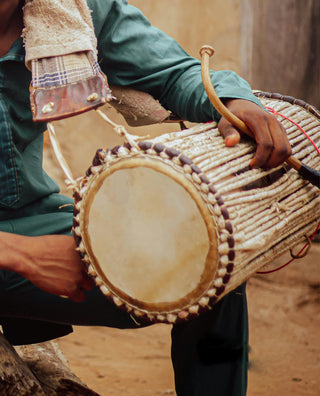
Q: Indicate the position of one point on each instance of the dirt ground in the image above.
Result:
(284, 312)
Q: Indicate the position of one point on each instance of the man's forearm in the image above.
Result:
(12, 252)
(49, 261)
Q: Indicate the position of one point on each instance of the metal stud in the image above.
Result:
(92, 97)
(47, 108)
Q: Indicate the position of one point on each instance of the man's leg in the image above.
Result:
(209, 353)
(20, 300)
(26, 331)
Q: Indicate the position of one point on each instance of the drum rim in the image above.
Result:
(211, 196)
(289, 99)
(176, 174)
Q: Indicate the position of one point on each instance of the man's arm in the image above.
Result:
(50, 262)
(134, 53)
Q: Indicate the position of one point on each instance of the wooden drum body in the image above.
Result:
(171, 226)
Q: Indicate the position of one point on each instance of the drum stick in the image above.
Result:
(310, 174)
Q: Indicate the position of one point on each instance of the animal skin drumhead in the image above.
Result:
(149, 237)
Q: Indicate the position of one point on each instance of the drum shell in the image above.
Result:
(257, 214)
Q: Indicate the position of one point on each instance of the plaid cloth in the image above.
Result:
(65, 85)
(61, 70)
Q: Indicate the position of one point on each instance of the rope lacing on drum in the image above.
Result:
(280, 208)
(70, 182)
(121, 131)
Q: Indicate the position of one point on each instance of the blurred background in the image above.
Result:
(273, 44)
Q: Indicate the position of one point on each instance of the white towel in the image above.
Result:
(57, 27)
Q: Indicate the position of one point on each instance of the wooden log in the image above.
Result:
(51, 368)
(15, 376)
(37, 370)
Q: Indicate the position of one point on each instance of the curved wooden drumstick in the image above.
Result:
(312, 175)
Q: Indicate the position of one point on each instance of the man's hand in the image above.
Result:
(50, 262)
(273, 146)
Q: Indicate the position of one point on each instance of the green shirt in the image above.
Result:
(132, 53)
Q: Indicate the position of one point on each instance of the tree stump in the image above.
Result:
(37, 370)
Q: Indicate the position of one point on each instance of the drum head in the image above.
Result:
(149, 235)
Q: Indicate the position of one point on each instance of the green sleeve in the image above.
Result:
(133, 53)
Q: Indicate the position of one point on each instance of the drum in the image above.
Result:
(169, 226)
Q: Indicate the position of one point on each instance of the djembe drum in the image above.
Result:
(184, 218)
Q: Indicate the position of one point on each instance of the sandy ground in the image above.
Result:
(284, 342)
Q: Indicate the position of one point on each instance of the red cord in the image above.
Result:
(297, 125)
(318, 226)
